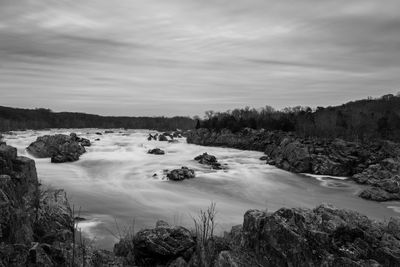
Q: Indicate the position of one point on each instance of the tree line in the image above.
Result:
(22, 119)
(365, 119)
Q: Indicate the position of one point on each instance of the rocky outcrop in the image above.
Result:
(324, 236)
(156, 151)
(365, 162)
(180, 174)
(60, 148)
(162, 244)
(385, 179)
(210, 160)
(35, 225)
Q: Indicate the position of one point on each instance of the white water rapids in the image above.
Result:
(113, 182)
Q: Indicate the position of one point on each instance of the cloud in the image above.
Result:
(186, 56)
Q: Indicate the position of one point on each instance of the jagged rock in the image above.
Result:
(324, 236)
(181, 174)
(156, 151)
(385, 179)
(28, 215)
(60, 148)
(208, 160)
(162, 245)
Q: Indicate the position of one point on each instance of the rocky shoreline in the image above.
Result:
(376, 163)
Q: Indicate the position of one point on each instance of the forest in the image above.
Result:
(371, 118)
(22, 119)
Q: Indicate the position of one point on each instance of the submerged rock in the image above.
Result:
(156, 151)
(60, 148)
(181, 174)
(208, 160)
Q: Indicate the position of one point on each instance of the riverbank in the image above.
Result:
(375, 163)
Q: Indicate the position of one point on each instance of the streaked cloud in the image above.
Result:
(182, 57)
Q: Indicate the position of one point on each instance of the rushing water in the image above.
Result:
(113, 184)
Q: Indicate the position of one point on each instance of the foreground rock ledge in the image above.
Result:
(60, 147)
(324, 236)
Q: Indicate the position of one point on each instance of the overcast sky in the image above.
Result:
(182, 57)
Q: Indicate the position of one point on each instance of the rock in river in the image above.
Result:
(60, 148)
(208, 159)
(156, 151)
(181, 174)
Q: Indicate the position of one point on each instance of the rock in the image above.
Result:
(97, 139)
(161, 245)
(35, 225)
(264, 158)
(85, 142)
(162, 137)
(181, 174)
(60, 148)
(378, 194)
(324, 236)
(173, 141)
(156, 151)
(385, 179)
(152, 137)
(108, 132)
(98, 133)
(208, 160)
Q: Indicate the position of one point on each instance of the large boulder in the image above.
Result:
(162, 244)
(324, 236)
(60, 148)
(208, 160)
(181, 174)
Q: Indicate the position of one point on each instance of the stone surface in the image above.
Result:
(161, 244)
(156, 151)
(210, 160)
(60, 148)
(181, 174)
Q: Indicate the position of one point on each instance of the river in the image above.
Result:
(114, 187)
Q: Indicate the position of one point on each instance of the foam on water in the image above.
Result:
(114, 181)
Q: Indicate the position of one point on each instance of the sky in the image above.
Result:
(183, 57)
